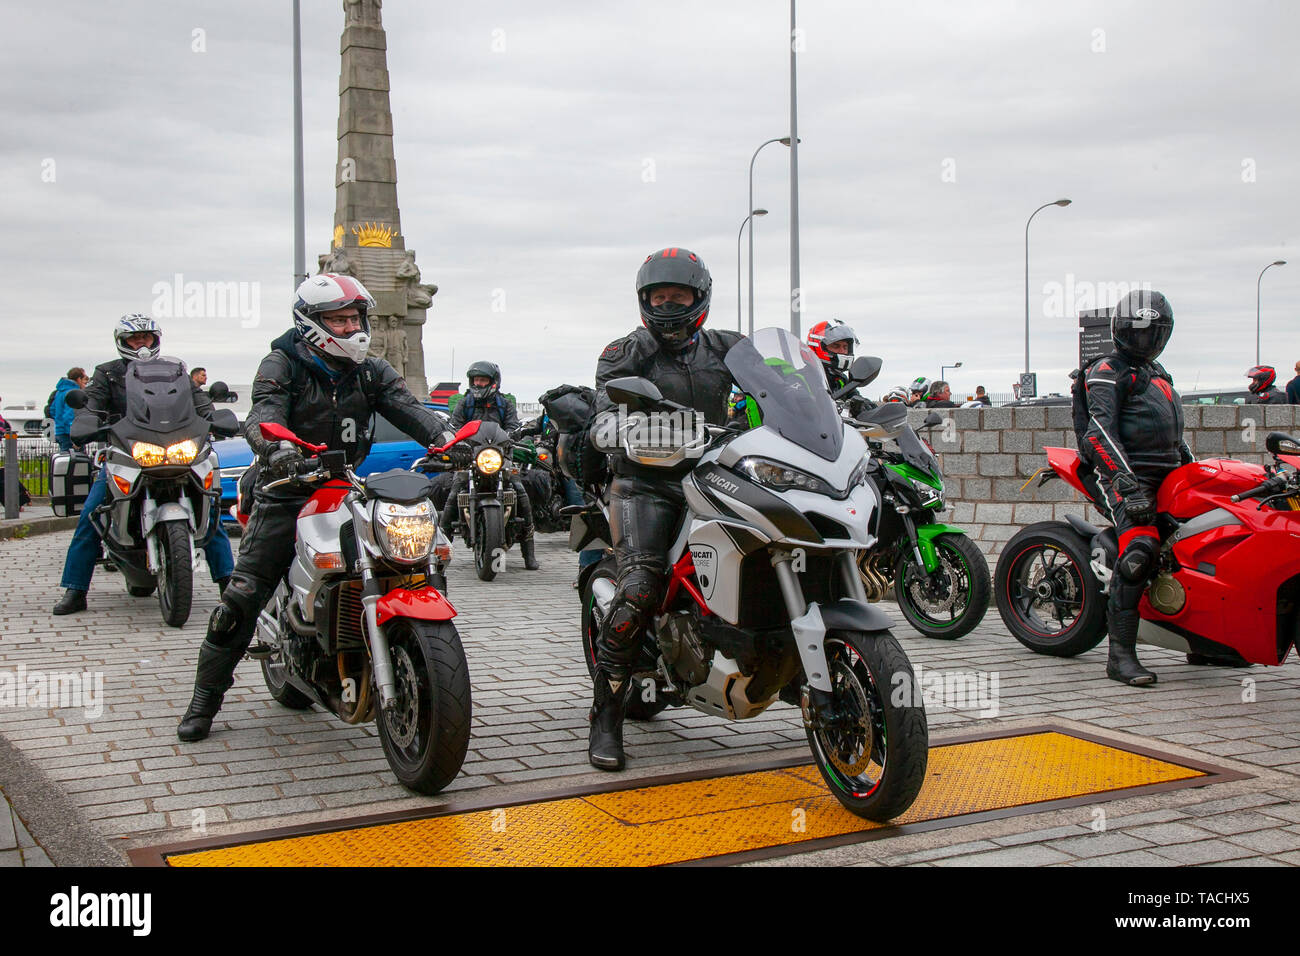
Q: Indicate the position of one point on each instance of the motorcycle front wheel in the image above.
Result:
(951, 602)
(637, 707)
(1048, 596)
(426, 735)
(873, 745)
(175, 572)
(489, 536)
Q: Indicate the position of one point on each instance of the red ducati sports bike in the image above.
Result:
(1227, 585)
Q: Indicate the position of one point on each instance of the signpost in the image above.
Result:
(1028, 385)
(1094, 335)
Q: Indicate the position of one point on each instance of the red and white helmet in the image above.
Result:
(828, 333)
(328, 292)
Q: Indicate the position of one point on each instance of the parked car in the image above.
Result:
(1217, 398)
(390, 449)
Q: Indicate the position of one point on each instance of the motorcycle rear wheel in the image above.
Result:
(873, 749)
(175, 573)
(637, 708)
(1046, 592)
(489, 537)
(963, 568)
(142, 590)
(426, 736)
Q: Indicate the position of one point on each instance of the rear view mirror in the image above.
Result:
(637, 394)
(934, 418)
(220, 392)
(75, 398)
(864, 370)
(1280, 443)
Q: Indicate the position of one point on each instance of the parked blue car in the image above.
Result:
(390, 449)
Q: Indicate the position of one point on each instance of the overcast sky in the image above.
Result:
(544, 149)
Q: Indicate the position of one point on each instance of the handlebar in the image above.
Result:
(1274, 484)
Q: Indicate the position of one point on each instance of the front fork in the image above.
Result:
(380, 656)
(809, 628)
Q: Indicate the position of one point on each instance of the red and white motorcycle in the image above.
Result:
(360, 626)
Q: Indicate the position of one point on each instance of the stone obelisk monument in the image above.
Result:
(368, 241)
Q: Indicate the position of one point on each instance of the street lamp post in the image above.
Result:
(785, 141)
(1280, 262)
(1059, 202)
(299, 233)
(750, 221)
(943, 368)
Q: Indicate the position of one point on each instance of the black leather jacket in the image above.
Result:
(107, 393)
(488, 411)
(1270, 396)
(1135, 422)
(293, 390)
(695, 377)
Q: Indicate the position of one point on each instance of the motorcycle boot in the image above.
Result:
(608, 709)
(214, 676)
(1121, 662)
(529, 553)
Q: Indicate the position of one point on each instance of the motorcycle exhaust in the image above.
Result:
(603, 591)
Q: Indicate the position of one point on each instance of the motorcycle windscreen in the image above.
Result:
(159, 397)
(489, 433)
(785, 379)
(915, 453)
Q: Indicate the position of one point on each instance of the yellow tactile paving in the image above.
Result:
(679, 822)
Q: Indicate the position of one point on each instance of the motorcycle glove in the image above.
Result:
(283, 462)
(1138, 506)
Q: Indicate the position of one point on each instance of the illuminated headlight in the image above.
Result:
(782, 477)
(405, 532)
(182, 453)
(488, 461)
(147, 454)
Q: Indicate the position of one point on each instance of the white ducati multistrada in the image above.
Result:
(764, 600)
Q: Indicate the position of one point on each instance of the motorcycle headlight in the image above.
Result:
(182, 453)
(928, 493)
(860, 470)
(148, 454)
(782, 477)
(488, 461)
(405, 532)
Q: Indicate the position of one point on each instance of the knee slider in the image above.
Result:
(224, 623)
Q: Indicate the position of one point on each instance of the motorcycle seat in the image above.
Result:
(403, 487)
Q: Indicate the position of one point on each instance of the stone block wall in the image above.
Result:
(988, 454)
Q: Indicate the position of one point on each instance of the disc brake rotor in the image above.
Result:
(851, 740)
(403, 719)
(927, 591)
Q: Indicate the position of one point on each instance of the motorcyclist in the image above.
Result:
(920, 388)
(484, 402)
(899, 393)
(1262, 389)
(833, 343)
(138, 339)
(543, 428)
(318, 383)
(685, 361)
(1134, 440)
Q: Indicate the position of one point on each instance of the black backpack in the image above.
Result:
(48, 411)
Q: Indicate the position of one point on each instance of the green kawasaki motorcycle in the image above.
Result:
(939, 575)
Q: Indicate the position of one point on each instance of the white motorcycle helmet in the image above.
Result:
(328, 292)
(133, 324)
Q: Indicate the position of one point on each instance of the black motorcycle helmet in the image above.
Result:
(673, 324)
(1140, 326)
(484, 394)
(1261, 378)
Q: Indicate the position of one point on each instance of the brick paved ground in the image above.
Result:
(126, 776)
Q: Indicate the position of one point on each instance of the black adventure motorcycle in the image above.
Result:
(164, 487)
